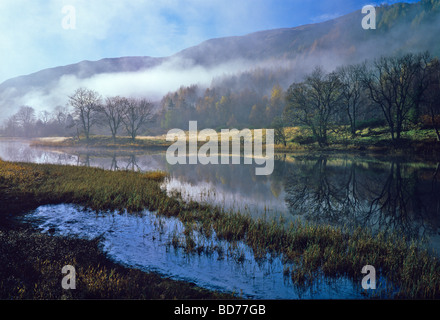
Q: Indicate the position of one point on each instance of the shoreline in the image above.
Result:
(379, 144)
(311, 249)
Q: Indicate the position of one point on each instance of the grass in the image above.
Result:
(372, 139)
(103, 142)
(32, 263)
(307, 251)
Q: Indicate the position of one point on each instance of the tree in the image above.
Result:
(397, 85)
(136, 114)
(279, 131)
(352, 92)
(25, 118)
(431, 101)
(113, 111)
(60, 115)
(223, 110)
(170, 114)
(11, 126)
(314, 103)
(276, 103)
(257, 117)
(86, 104)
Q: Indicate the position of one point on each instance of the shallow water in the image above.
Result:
(381, 194)
(145, 242)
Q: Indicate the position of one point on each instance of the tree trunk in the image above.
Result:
(438, 133)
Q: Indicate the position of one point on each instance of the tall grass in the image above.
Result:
(307, 250)
(31, 265)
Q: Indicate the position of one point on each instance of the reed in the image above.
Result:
(35, 260)
(307, 250)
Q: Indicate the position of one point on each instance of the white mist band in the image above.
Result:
(209, 152)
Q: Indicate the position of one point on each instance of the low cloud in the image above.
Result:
(152, 83)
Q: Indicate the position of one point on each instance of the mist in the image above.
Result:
(152, 83)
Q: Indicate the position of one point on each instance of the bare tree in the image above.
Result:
(352, 92)
(60, 115)
(396, 85)
(85, 103)
(11, 126)
(137, 113)
(25, 118)
(314, 103)
(431, 101)
(113, 111)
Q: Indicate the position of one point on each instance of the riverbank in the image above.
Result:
(307, 251)
(416, 141)
(35, 260)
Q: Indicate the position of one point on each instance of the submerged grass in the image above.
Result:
(306, 250)
(32, 263)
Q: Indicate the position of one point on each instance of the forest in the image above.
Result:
(397, 92)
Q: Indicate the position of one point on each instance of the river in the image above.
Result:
(379, 193)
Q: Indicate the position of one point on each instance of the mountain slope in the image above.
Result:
(399, 27)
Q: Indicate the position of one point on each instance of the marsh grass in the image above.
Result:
(308, 251)
(32, 263)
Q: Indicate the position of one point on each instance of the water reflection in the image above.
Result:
(380, 194)
(144, 241)
(386, 196)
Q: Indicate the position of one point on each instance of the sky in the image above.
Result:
(39, 34)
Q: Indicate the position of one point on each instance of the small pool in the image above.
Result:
(147, 242)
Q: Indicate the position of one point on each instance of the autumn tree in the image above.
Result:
(276, 103)
(223, 110)
(257, 116)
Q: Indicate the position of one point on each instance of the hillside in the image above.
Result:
(400, 27)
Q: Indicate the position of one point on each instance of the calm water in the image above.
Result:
(145, 242)
(341, 190)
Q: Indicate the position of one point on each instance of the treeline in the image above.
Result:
(26, 122)
(86, 112)
(398, 92)
(401, 91)
(250, 99)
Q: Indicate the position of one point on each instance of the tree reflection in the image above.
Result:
(114, 164)
(390, 196)
(132, 163)
(83, 160)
